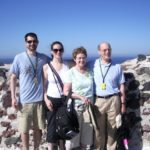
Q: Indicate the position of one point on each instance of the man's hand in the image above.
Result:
(123, 108)
(15, 104)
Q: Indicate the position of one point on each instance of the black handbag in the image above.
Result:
(67, 125)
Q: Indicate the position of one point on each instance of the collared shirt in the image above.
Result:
(113, 78)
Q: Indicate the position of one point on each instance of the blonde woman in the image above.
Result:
(80, 80)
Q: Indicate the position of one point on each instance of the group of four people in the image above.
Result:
(101, 85)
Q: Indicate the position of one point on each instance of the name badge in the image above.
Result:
(103, 86)
(35, 80)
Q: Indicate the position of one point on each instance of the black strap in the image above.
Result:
(103, 76)
(61, 84)
(57, 75)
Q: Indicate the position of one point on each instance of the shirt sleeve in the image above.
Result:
(121, 75)
(15, 67)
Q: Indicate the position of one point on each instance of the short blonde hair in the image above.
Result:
(79, 50)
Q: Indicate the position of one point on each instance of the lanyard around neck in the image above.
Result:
(103, 75)
(36, 63)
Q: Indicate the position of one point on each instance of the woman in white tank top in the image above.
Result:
(53, 92)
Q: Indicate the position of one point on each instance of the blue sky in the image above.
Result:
(123, 23)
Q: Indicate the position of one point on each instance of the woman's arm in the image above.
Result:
(67, 87)
(45, 84)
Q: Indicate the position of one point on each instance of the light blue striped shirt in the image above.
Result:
(113, 79)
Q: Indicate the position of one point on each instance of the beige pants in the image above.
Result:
(108, 110)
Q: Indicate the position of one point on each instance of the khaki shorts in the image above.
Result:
(31, 116)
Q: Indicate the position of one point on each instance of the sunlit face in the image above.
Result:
(31, 43)
(105, 52)
(57, 51)
(80, 60)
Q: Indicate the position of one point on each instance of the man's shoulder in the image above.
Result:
(116, 67)
(115, 64)
(44, 57)
(91, 64)
(19, 56)
(95, 62)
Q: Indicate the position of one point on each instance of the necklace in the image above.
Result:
(35, 79)
(103, 84)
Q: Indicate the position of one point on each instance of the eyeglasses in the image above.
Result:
(107, 49)
(34, 41)
(81, 58)
(56, 50)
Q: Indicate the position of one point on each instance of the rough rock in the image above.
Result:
(141, 57)
(9, 135)
(137, 75)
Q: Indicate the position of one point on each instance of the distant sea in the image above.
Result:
(116, 59)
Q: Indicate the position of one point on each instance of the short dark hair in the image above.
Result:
(32, 35)
(79, 50)
(57, 42)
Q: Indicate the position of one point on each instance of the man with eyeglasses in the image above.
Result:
(27, 68)
(110, 96)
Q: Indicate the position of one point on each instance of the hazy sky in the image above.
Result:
(123, 23)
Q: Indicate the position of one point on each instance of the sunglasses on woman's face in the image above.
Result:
(56, 50)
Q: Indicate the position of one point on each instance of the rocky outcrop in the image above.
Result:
(137, 75)
(9, 135)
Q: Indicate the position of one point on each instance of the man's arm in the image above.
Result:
(13, 81)
(122, 96)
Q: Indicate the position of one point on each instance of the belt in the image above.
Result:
(107, 96)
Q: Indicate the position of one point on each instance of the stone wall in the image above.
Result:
(9, 135)
(137, 74)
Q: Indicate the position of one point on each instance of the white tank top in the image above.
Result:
(54, 90)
